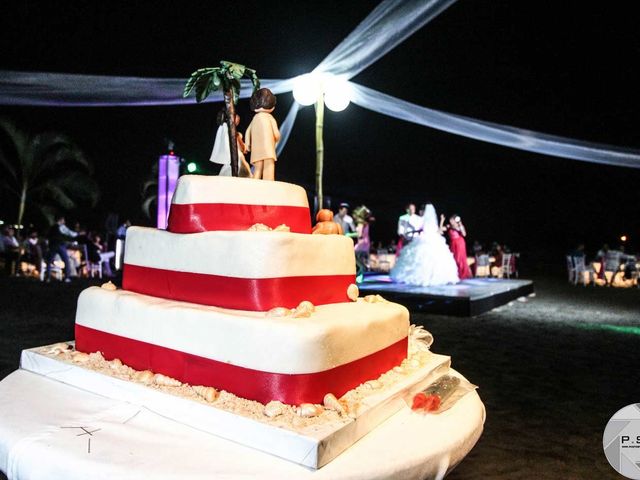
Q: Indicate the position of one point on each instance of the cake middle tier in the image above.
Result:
(250, 354)
(241, 270)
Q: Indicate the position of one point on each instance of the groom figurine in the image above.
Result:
(409, 225)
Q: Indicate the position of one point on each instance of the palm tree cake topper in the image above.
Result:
(225, 78)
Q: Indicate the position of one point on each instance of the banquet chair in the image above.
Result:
(384, 265)
(571, 269)
(611, 264)
(483, 266)
(509, 265)
(57, 268)
(581, 272)
(89, 267)
(94, 268)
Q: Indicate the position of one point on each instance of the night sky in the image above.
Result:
(564, 68)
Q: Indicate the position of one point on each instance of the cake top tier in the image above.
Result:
(209, 203)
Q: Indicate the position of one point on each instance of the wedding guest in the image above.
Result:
(345, 220)
(11, 250)
(33, 250)
(59, 236)
(121, 233)
(603, 251)
(457, 233)
(477, 248)
(496, 263)
(362, 216)
(99, 254)
(578, 251)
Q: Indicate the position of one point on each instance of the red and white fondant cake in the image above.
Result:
(243, 270)
(233, 203)
(195, 306)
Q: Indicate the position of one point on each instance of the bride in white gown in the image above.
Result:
(427, 260)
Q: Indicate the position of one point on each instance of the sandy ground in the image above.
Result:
(551, 370)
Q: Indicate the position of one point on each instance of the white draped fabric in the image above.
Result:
(133, 441)
(508, 136)
(390, 23)
(73, 90)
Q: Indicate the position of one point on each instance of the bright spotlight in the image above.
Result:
(191, 167)
(337, 94)
(623, 238)
(306, 89)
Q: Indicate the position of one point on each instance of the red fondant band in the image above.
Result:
(244, 382)
(258, 294)
(205, 217)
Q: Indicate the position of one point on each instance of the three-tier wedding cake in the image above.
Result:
(238, 295)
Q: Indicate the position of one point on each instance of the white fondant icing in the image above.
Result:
(243, 191)
(333, 335)
(241, 254)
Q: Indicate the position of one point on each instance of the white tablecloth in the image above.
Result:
(128, 441)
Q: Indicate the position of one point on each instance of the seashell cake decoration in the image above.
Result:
(109, 286)
(261, 227)
(353, 292)
(332, 403)
(274, 408)
(210, 394)
(57, 348)
(304, 309)
(375, 299)
(309, 410)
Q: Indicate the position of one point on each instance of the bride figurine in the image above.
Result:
(221, 153)
(427, 260)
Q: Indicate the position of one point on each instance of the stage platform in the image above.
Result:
(466, 299)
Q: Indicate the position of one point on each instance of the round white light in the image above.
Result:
(306, 89)
(337, 94)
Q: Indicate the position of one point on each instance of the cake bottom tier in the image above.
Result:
(294, 360)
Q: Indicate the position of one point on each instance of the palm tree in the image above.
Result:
(47, 172)
(226, 78)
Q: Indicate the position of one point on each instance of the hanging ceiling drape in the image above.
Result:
(388, 25)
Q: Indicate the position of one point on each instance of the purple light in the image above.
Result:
(168, 170)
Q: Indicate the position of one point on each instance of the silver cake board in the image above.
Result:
(312, 447)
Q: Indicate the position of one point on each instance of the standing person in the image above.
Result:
(11, 249)
(362, 248)
(457, 243)
(343, 219)
(33, 251)
(426, 260)
(59, 235)
(409, 226)
(99, 254)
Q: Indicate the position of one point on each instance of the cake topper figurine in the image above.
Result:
(226, 78)
(263, 134)
(326, 225)
(221, 152)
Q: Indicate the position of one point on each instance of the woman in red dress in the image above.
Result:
(457, 244)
